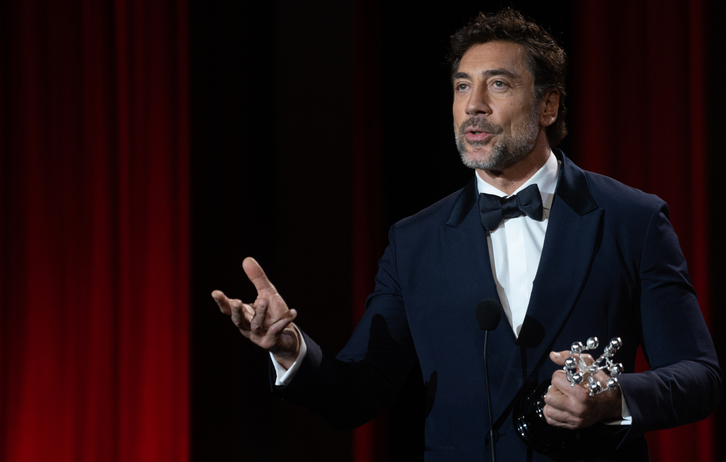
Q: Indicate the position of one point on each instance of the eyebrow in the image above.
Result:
(485, 74)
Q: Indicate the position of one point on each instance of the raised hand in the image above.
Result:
(573, 407)
(267, 322)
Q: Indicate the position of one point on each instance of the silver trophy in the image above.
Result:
(578, 372)
(529, 420)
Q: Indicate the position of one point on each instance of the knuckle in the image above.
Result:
(551, 395)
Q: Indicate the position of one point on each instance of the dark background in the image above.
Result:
(273, 126)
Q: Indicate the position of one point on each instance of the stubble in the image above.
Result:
(508, 150)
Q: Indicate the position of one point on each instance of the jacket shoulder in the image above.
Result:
(610, 194)
(439, 212)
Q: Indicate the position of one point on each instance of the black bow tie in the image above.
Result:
(494, 209)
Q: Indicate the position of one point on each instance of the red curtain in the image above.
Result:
(639, 116)
(94, 232)
(369, 441)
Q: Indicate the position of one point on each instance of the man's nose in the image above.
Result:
(478, 102)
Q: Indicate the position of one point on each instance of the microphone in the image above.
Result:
(488, 313)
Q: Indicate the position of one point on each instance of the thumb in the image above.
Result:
(559, 357)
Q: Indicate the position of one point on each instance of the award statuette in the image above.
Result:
(529, 420)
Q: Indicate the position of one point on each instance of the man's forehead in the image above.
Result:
(494, 55)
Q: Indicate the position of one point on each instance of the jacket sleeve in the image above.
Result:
(683, 384)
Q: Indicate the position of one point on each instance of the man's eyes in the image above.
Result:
(494, 83)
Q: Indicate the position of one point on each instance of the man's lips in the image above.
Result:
(477, 135)
(476, 130)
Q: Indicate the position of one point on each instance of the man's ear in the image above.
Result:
(551, 105)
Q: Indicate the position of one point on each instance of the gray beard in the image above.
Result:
(507, 151)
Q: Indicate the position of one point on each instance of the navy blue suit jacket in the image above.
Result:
(611, 266)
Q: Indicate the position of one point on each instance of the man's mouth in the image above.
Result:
(479, 131)
(477, 135)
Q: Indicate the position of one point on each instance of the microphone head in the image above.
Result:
(488, 313)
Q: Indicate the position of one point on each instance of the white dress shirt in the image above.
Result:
(516, 245)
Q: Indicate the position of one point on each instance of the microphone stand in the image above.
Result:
(488, 313)
(489, 397)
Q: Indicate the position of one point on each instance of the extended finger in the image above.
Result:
(222, 302)
(254, 272)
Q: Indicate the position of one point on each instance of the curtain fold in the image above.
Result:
(370, 439)
(94, 345)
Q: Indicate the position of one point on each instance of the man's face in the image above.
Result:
(496, 120)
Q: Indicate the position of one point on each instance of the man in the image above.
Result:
(571, 255)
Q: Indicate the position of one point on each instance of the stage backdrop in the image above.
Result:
(94, 235)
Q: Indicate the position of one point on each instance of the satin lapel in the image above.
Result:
(465, 257)
(571, 242)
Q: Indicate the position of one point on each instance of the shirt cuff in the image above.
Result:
(284, 377)
(627, 419)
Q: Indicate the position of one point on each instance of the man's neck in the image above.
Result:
(511, 178)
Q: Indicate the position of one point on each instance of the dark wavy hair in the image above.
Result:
(546, 60)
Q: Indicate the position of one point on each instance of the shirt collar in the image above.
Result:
(545, 178)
